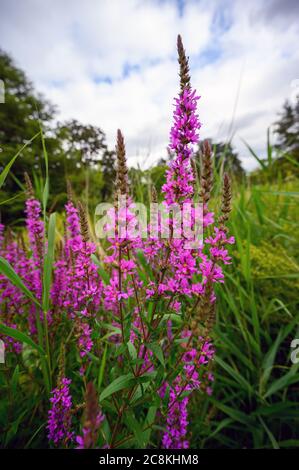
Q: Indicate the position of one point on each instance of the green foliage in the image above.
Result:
(271, 263)
(254, 403)
(287, 129)
(255, 398)
(282, 162)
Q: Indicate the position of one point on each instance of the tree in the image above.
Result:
(81, 146)
(19, 122)
(23, 106)
(287, 130)
(82, 143)
(107, 163)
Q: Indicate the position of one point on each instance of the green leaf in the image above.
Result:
(19, 336)
(149, 421)
(11, 199)
(5, 172)
(157, 350)
(292, 160)
(282, 193)
(105, 430)
(269, 359)
(136, 429)
(235, 374)
(278, 410)
(92, 357)
(236, 415)
(289, 378)
(104, 275)
(222, 425)
(45, 195)
(9, 272)
(21, 185)
(102, 367)
(46, 187)
(124, 381)
(132, 350)
(146, 377)
(273, 441)
(263, 165)
(13, 430)
(28, 444)
(150, 311)
(15, 379)
(48, 264)
(289, 443)
(147, 268)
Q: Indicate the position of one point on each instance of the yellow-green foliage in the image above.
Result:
(274, 272)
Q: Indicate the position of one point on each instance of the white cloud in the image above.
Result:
(70, 48)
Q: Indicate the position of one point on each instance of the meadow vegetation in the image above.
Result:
(107, 354)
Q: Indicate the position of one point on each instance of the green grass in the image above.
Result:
(255, 399)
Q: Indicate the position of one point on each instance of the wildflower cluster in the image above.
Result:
(134, 314)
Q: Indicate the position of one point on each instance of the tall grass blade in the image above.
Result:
(5, 172)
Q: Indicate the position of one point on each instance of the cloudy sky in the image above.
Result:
(112, 63)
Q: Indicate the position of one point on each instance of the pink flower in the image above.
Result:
(59, 416)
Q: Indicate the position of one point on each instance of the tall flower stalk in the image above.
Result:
(59, 417)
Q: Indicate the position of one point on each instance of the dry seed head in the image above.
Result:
(29, 187)
(154, 195)
(78, 407)
(91, 400)
(205, 304)
(91, 417)
(21, 242)
(122, 170)
(204, 315)
(210, 322)
(8, 236)
(196, 327)
(60, 250)
(184, 66)
(225, 202)
(83, 222)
